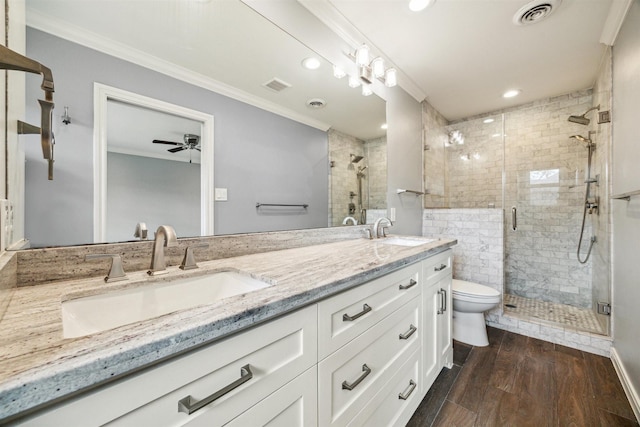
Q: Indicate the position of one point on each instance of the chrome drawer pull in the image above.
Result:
(189, 405)
(411, 284)
(365, 309)
(443, 301)
(442, 267)
(408, 391)
(411, 331)
(347, 386)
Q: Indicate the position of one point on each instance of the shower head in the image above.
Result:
(582, 120)
(356, 159)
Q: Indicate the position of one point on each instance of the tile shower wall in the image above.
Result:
(479, 253)
(343, 181)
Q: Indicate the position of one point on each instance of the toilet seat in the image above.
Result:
(469, 291)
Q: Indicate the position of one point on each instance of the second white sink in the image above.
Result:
(402, 241)
(87, 315)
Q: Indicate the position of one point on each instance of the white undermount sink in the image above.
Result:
(87, 315)
(402, 241)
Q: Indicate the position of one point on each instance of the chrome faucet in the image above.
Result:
(165, 236)
(348, 219)
(379, 227)
(10, 60)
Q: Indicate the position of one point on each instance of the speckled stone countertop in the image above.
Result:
(38, 365)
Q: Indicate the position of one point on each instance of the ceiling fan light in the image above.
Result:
(362, 55)
(390, 77)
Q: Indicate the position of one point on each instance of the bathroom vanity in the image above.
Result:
(347, 333)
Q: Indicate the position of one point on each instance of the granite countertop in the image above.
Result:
(38, 365)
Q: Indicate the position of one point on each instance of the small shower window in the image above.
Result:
(548, 176)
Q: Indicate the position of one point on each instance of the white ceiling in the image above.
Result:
(460, 55)
(464, 54)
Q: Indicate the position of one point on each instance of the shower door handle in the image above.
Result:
(514, 218)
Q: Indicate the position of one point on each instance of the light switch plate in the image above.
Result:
(220, 195)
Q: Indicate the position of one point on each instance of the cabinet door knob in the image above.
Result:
(408, 391)
(365, 309)
(411, 331)
(411, 284)
(189, 405)
(347, 386)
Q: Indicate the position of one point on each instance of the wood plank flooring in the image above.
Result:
(522, 381)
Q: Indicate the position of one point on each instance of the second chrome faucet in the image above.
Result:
(165, 237)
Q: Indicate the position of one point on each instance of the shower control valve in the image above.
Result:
(592, 205)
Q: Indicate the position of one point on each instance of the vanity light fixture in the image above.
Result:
(418, 5)
(338, 72)
(511, 93)
(367, 71)
(311, 63)
(455, 137)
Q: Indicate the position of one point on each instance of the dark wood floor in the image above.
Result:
(521, 381)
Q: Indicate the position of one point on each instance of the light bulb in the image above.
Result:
(390, 77)
(362, 55)
(354, 81)
(366, 90)
(338, 72)
(378, 67)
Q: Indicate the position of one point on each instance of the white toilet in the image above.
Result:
(470, 301)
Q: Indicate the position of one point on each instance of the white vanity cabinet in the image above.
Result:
(250, 366)
(364, 357)
(437, 342)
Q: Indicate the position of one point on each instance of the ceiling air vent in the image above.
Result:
(535, 11)
(316, 103)
(276, 85)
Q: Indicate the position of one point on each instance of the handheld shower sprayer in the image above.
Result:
(582, 120)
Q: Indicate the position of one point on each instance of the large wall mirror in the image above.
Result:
(284, 135)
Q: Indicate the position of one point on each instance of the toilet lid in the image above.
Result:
(462, 287)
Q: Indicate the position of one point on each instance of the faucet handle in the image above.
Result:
(141, 231)
(189, 260)
(369, 233)
(116, 272)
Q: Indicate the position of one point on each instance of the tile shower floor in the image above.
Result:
(566, 315)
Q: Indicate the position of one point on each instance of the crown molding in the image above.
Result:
(80, 36)
(615, 18)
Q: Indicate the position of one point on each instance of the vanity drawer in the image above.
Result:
(397, 400)
(345, 316)
(350, 377)
(437, 266)
(274, 355)
(276, 352)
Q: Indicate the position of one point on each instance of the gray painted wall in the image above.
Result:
(626, 178)
(259, 156)
(404, 161)
(138, 189)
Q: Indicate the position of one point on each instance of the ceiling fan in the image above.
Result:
(190, 143)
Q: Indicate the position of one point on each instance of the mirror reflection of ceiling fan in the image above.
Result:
(191, 142)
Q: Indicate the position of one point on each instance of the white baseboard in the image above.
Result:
(632, 394)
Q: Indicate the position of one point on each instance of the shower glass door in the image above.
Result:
(543, 201)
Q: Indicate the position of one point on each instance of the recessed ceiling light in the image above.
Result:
(311, 63)
(489, 120)
(418, 5)
(511, 93)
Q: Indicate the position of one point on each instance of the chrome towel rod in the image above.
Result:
(305, 206)
(417, 193)
(626, 196)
